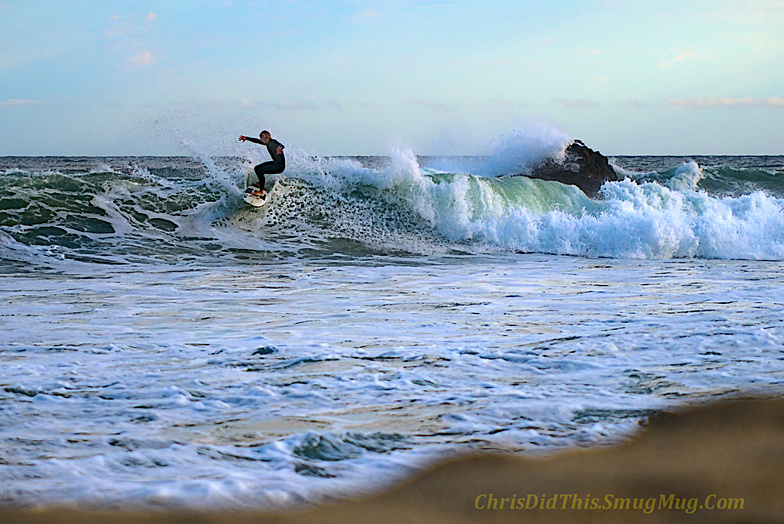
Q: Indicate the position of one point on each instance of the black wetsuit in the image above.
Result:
(277, 165)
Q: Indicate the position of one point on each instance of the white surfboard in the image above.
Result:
(254, 200)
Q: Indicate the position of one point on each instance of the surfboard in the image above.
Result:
(254, 200)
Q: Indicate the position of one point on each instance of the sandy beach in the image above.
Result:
(717, 463)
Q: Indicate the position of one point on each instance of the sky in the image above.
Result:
(355, 77)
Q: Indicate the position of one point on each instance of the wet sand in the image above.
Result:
(717, 463)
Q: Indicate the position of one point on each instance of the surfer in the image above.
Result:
(277, 165)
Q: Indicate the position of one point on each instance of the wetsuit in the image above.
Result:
(277, 165)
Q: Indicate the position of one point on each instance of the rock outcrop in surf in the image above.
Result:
(582, 167)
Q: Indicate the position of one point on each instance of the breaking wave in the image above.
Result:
(143, 210)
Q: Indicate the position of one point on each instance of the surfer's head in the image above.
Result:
(265, 137)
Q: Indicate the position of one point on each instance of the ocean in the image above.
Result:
(165, 346)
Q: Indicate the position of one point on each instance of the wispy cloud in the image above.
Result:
(435, 105)
(683, 56)
(596, 51)
(501, 103)
(366, 15)
(295, 105)
(17, 102)
(369, 14)
(750, 12)
(575, 103)
(636, 103)
(777, 101)
(122, 26)
(773, 101)
(436, 3)
(144, 58)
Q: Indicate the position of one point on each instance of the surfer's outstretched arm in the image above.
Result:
(249, 138)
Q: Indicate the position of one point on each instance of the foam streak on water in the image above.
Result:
(278, 385)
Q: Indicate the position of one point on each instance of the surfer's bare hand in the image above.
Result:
(243, 138)
(280, 150)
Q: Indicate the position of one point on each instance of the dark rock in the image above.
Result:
(582, 167)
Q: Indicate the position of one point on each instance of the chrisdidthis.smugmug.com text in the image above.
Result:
(609, 502)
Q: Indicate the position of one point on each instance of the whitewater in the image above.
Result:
(163, 345)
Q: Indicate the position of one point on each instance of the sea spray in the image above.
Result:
(519, 151)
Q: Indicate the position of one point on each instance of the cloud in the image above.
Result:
(295, 105)
(366, 15)
(17, 102)
(576, 103)
(501, 103)
(143, 58)
(773, 101)
(680, 57)
(369, 14)
(435, 105)
(123, 26)
(776, 101)
(436, 3)
(751, 12)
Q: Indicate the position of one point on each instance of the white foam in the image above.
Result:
(686, 177)
(142, 389)
(672, 219)
(644, 221)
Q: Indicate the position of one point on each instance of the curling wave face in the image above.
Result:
(147, 210)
